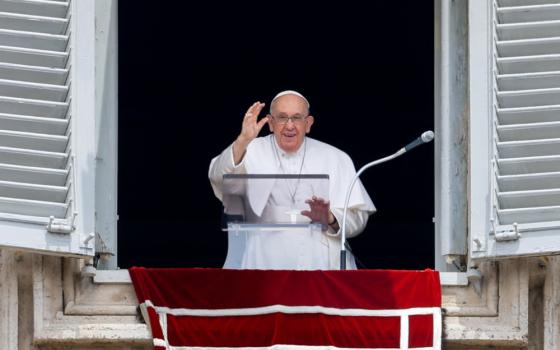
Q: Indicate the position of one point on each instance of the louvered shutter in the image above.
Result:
(47, 151)
(522, 110)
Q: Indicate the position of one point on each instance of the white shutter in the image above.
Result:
(47, 152)
(521, 208)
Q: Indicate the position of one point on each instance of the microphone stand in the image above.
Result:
(426, 137)
(362, 169)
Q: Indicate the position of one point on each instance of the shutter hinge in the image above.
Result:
(507, 235)
(61, 225)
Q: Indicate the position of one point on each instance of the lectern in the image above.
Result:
(263, 213)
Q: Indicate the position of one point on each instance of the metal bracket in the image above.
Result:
(475, 278)
(102, 251)
(61, 225)
(478, 245)
(88, 238)
(101, 247)
(509, 235)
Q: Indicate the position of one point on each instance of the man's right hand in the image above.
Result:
(250, 129)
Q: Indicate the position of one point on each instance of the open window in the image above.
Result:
(514, 174)
(47, 126)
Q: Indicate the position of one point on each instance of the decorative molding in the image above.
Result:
(113, 310)
(112, 277)
(122, 332)
(8, 302)
(93, 314)
(509, 327)
(464, 301)
(84, 296)
(552, 303)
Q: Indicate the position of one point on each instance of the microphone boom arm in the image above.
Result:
(424, 138)
(354, 179)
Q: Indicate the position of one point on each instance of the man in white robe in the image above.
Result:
(288, 151)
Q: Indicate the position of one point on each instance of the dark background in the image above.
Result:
(187, 74)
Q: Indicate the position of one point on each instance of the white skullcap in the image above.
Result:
(289, 92)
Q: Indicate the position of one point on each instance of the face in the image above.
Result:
(290, 135)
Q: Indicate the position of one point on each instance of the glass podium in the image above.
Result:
(270, 206)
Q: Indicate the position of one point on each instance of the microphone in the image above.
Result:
(426, 137)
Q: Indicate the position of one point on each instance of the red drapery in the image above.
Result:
(226, 309)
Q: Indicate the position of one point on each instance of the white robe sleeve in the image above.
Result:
(360, 206)
(223, 164)
(356, 221)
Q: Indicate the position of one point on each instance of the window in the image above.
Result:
(373, 94)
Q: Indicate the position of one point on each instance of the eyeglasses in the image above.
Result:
(296, 119)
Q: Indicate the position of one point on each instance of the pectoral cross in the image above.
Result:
(293, 215)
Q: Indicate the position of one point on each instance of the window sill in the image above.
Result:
(451, 279)
(120, 276)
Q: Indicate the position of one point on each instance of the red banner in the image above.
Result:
(231, 309)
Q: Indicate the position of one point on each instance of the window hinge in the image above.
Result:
(61, 225)
(507, 235)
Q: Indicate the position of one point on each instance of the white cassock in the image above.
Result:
(293, 250)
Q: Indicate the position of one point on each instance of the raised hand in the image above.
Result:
(319, 210)
(250, 129)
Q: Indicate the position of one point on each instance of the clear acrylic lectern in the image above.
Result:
(268, 204)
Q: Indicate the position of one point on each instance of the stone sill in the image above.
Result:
(448, 279)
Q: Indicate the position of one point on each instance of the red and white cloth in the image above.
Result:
(259, 309)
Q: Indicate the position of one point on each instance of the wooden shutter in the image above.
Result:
(524, 128)
(46, 125)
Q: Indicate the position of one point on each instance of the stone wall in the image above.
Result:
(46, 303)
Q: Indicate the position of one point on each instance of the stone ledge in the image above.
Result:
(92, 309)
(112, 277)
(123, 277)
(72, 331)
(453, 279)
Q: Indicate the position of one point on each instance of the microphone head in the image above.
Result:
(427, 136)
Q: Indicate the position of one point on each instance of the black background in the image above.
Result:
(187, 74)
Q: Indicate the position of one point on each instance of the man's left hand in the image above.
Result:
(319, 211)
